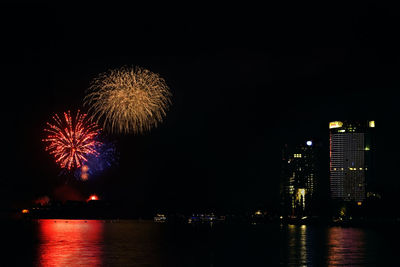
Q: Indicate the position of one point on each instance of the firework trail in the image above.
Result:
(70, 141)
(128, 100)
(95, 164)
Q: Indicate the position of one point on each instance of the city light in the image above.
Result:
(372, 124)
(335, 124)
(160, 218)
(309, 143)
(301, 196)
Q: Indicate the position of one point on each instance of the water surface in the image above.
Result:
(145, 243)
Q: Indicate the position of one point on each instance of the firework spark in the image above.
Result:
(128, 100)
(71, 141)
(106, 157)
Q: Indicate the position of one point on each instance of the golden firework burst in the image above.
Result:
(128, 100)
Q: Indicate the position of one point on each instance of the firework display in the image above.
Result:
(96, 163)
(70, 140)
(128, 100)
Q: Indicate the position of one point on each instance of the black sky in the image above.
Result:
(245, 80)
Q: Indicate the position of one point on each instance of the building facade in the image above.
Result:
(299, 178)
(351, 159)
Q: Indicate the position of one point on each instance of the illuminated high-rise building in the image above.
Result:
(351, 159)
(299, 178)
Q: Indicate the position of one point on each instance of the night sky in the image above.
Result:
(245, 80)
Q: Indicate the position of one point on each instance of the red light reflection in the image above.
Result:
(70, 242)
(346, 246)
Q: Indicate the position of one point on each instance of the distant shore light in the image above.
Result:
(372, 124)
(93, 197)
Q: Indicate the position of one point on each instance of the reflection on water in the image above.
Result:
(297, 246)
(346, 246)
(70, 243)
(324, 246)
(141, 243)
(98, 243)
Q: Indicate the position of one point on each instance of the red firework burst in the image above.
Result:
(70, 141)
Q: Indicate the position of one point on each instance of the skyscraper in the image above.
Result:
(351, 159)
(299, 178)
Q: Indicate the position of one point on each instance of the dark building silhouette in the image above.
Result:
(299, 181)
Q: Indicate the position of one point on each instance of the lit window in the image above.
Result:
(372, 124)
